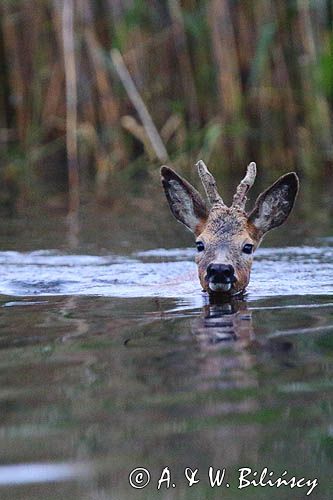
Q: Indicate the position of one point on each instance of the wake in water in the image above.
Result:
(160, 273)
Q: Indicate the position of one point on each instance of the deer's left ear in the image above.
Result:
(274, 205)
(185, 202)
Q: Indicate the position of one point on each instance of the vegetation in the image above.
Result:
(94, 90)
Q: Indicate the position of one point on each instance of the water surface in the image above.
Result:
(112, 358)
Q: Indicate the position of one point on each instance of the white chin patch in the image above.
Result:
(220, 287)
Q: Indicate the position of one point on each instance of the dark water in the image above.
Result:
(111, 359)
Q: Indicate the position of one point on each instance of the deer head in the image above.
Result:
(227, 237)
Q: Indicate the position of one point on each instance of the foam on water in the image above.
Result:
(162, 273)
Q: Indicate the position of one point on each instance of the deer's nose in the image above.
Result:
(221, 273)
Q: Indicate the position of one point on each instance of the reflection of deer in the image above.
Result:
(227, 236)
(223, 322)
(225, 325)
(228, 324)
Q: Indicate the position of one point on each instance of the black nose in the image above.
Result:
(221, 273)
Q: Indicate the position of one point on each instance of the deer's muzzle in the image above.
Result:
(220, 277)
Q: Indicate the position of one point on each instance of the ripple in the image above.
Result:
(276, 272)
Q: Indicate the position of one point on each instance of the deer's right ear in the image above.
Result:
(275, 204)
(185, 202)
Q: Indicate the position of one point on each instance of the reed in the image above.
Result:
(231, 80)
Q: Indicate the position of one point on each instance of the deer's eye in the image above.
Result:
(247, 248)
(200, 246)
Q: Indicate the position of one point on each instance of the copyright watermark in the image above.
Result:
(140, 477)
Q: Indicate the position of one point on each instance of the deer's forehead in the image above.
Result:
(226, 224)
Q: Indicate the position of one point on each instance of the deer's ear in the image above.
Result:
(274, 205)
(185, 202)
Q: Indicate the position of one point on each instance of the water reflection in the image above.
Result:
(119, 383)
(42, 473)
(229, 323)
(225, 321)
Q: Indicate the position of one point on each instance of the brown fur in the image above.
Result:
(225, 230)
(224, 234)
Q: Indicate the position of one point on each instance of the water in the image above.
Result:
(160, 273)
(111, 358)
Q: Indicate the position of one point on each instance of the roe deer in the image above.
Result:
(227, 237)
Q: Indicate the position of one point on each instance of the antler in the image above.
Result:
(239, 199)
(209, 184)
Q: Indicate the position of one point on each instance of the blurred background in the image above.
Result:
(95, 95)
